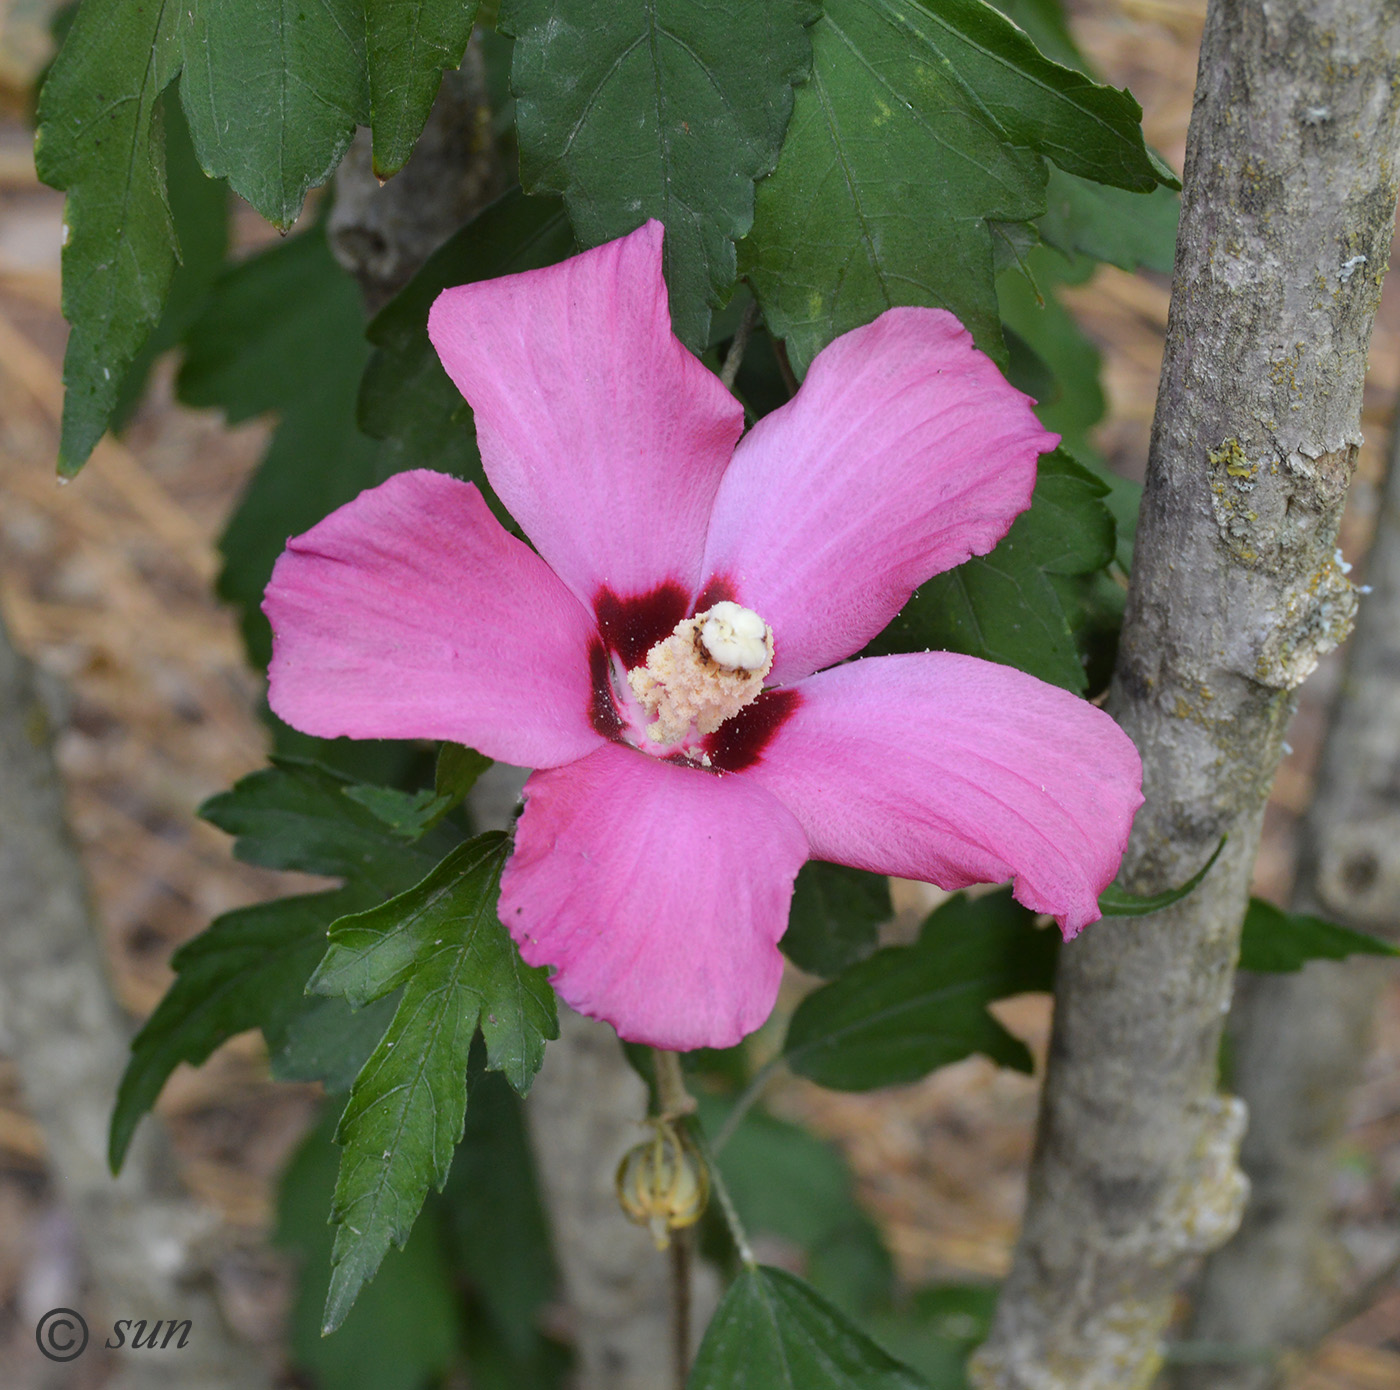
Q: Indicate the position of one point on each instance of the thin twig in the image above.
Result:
(735, 356)
(673, 1102)
(737, 1233)
(744, 1104)
(672, 1098)
(680, 1304)
(785, 367)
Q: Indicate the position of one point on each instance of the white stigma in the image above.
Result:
(705, 672)
(737, 637)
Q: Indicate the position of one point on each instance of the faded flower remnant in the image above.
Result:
(671, 656)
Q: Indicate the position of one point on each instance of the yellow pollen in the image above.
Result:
(705, 672)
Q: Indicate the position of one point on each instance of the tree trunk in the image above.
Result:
(1298, 1041)
(1236, 591)
(146, 1242)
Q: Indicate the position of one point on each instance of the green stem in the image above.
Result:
(672, 1098)
(726, 1203)
(680, 1305)
(674, 1102)
(735, 355)
(744, 1104)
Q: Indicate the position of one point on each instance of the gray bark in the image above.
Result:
(585, 1112)
(147, 1244)
(1298, 1041)
(1286, 219)
(382, 233)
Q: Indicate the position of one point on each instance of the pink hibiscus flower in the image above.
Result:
(668, 655)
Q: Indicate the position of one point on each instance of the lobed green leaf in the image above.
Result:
(405, 1332)
(412, 814)
(1006, 606)
(1273, 940)
(658, 108)
(906, 1010)
(273, 93)
(296, 815)
(922, 125)
(835, 917)
(199, 207)
(250, 968)
(247, 970)
(773, 1332)
(443, 945)
(101, 138)
(409, 44)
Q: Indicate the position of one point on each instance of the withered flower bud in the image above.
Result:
(663, 1183)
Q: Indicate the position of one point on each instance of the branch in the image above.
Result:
(1286, 220)
(382, 233)
(1299, 1040)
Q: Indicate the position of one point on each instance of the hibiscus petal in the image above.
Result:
(957, 771)
(904, 453)
(603, 436)
(658, 892)
(411, 613)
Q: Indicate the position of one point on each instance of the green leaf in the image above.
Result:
(1006, 606)
(410, 43)
(273, 93)
(938, 1329)
(921, 125)
(283, 332)
(496, 1218)
(1071, 402)
(412, 814)
(1044, 21)
(909, 1009)
(248, 970)
(326, 1040)
(835, 917)
(296, 815)
(101, 138)
(404, 1333)
(441, 942)
(773, 1332)
(200, 209)
(788, 1183)
(407, 399)
(1115, 902)
(1130, 230)
(658, 108)
(1273, 940)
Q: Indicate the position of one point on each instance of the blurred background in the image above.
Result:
(105, 584)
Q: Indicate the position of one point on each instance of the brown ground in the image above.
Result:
(105, 583)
